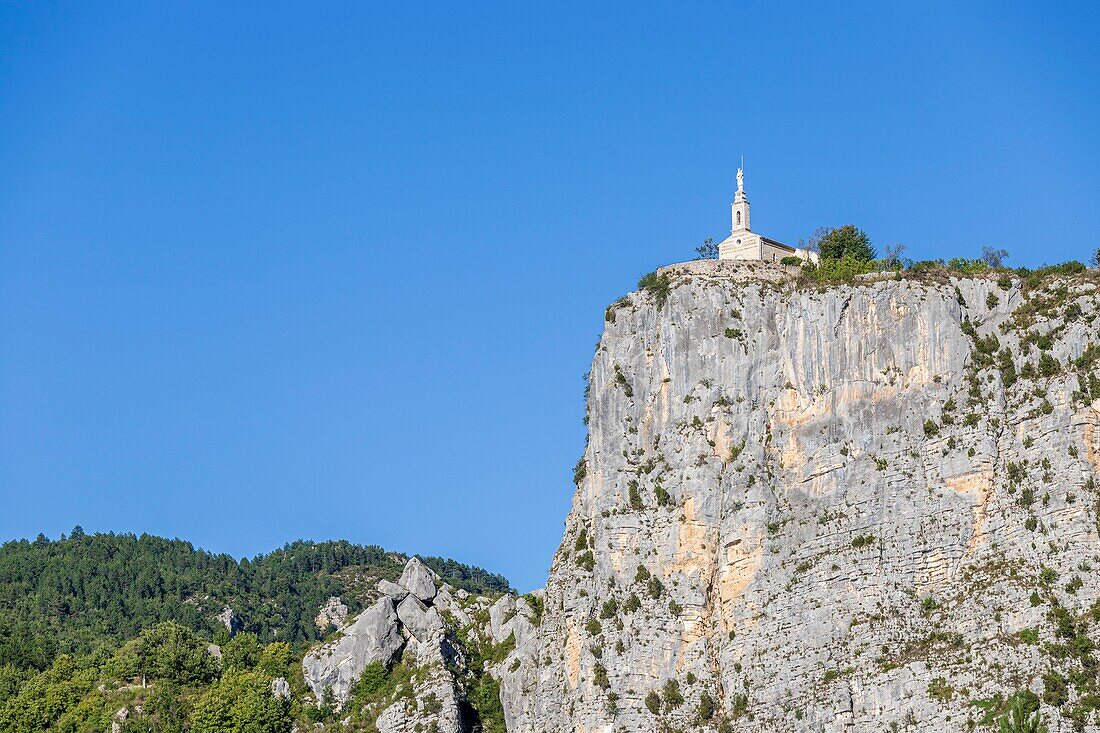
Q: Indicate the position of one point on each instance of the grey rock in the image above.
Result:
(762, 450)
(419, 580)
(393, 590)
(333, 613)
(374, 636)
(280, 688)
(229, 620)
(421, 621)
(446, 600)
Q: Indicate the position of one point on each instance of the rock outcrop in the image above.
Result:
(436, 645)
(852, 507)
(228, 618)
(374, 636)
(333, 613)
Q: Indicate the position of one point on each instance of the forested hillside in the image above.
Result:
(87, 591)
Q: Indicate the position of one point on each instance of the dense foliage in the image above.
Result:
(75, 595)
(846, 242)
(166, 672)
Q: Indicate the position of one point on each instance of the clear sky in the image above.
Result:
(322, 270)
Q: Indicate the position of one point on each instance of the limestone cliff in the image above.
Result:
(423, 658)
(857, 507)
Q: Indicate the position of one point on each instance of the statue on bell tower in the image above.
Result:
(740, 207)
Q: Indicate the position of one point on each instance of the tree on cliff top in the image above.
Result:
(846, 241)
(708, 250)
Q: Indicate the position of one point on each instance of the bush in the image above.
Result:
(838, 270)
(1023, 714)
(1048, 365)
(658, 286)
(655, 587)
(938, 689)
(240, 701)
(653, 702)
(600, 677)
(663, 498)
(706, 708)
(538, 607)
(580, 471)
(671, 695)
(863, 541)
(965, 266)
(791, 260)
(586, 560)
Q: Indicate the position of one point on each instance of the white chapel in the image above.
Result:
(744, 244)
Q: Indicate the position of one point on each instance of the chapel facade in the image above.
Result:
(745, 244)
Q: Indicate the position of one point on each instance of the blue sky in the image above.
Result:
(271, 271)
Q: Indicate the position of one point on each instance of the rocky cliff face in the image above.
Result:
(424, 657)
(857, 508)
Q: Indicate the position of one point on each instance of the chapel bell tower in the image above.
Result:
(740, 207)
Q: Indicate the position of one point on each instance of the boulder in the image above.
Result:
(280, 688)
(421, 621)
(374, 636)
(393, 590)
(419, 580)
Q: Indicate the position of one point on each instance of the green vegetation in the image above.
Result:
(580, 470)
(620, 379)
(670, 695)
(829, 270)
(863, 541)
(658, 286)
(707, 708)
(708, 250)
(939, 690)
(586, 560)
(167, 671)
(846, 242)
(663, 497)
(95, 623)
(655, 587)
(1022, 715)
(76, 595)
